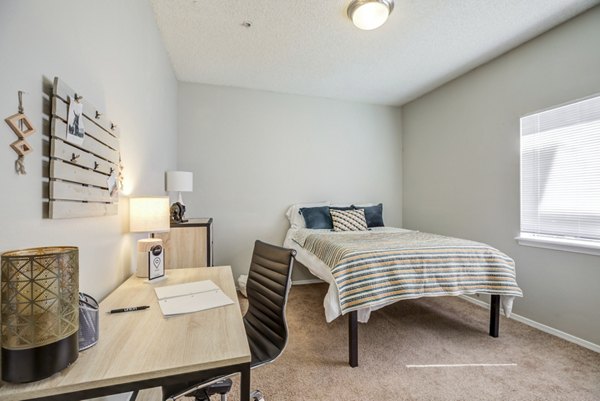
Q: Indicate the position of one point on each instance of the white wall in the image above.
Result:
(461, 165)
(110, 52)
(255, 153)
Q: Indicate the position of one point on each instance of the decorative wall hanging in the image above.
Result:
(85, 168)
(22, 127)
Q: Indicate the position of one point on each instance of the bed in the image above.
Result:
(368, 270)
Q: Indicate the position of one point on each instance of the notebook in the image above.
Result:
(190, 297)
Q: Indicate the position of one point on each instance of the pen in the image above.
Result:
(130, 309)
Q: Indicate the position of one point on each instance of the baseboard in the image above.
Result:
(542, 327)
(307, 281)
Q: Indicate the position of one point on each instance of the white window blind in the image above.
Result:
(560, 171)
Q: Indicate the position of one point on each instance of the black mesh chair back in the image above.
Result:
(268, 287)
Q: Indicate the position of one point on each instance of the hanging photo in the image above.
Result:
(75, 128)
(111, 181)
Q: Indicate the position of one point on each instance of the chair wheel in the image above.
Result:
(256, 395)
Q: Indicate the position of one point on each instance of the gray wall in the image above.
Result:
(255, 153)
(461, 165)
(111, 52)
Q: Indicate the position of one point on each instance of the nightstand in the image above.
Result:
(188, 244)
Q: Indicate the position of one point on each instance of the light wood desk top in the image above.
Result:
(145, 345)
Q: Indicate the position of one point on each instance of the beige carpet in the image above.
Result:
(422, 332)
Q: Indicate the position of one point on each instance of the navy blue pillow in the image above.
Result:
(317, 217)
(373, 215)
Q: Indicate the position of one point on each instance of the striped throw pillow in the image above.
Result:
(348, 220)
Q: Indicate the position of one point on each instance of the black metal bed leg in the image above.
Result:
(495, 315)
(353, 338)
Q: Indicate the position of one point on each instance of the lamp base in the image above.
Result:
(156, 280)
(28, 365)
(144, 246)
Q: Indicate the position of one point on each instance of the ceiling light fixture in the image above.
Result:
(370, 14)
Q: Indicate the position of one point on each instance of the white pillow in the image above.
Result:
(294, 216)
(335, 204)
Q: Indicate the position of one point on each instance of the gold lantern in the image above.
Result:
(39, 312)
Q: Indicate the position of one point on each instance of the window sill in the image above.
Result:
(560, 244)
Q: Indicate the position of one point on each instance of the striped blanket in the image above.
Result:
(374, 268)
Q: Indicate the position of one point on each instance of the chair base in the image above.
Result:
(222, 387)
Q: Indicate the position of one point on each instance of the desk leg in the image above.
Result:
(494, 315)
(353, 338)
(245, 383)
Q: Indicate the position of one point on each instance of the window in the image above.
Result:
(560, 177)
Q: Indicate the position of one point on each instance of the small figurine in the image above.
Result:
(177, 213)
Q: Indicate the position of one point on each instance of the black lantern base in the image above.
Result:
(28, 365)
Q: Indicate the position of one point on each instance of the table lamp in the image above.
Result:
(179, 181)
(40, 312)
(149, 215)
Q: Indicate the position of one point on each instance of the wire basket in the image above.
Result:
(89, 328)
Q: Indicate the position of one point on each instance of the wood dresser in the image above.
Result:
(188, 244)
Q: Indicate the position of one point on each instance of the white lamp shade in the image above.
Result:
(149, 214)
(180, 181)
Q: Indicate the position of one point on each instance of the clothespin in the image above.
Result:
(21, 109)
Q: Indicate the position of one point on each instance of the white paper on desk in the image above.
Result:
(190, 297)
(194, 302)
(178, 290)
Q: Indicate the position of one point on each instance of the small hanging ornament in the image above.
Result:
(22, 127)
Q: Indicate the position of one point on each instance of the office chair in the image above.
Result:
(269, 282)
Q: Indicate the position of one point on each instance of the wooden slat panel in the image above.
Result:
(63, 91)
(59, 130)
(64, 151)
(79, 172)
(60, 110)
(68, 172)
(76, 192)
(69, 210)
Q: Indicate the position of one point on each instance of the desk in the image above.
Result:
(143, 349)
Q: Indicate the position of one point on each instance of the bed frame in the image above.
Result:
(353, 329)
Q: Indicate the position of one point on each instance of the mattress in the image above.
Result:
(384, 265)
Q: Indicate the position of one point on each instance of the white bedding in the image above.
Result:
(317, 267)
(321, 270)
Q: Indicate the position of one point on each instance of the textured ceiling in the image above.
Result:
(310, 47)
